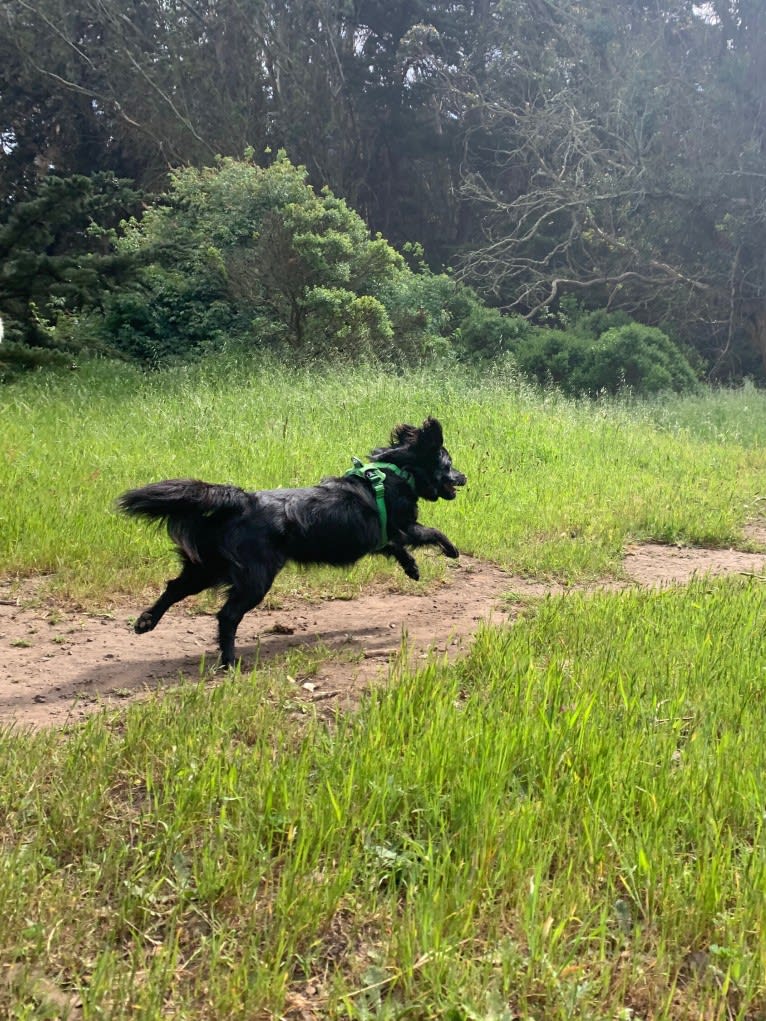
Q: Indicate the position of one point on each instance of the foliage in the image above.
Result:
(359, 93)
(131, 86)
(540, 150)
(254, 255)
(550, 356)
(58, 262)
(638, 183)
(342, 323)
(639, 358)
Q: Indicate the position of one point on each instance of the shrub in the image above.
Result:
(487, 333)
(56, 262)
(553, 356)
(184, 314)
(641, 358)
(598, 321)
(432, 312)
(255, 255)
(337, 321)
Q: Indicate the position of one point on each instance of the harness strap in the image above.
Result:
(373, 474)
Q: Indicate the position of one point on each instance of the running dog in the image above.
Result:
(228, 537)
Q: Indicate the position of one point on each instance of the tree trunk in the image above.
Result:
(757, 333)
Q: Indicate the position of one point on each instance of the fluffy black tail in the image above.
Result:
(191, 509)
(181, 496)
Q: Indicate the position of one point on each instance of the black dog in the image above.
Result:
(226, 536)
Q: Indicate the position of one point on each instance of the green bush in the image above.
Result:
(56, 263)
(485, 332)
(183, 315)
(255, 255)
(337, 321)
(629, 356)
(555, 357)
(640, 357)
(434, 312)
(597, 321)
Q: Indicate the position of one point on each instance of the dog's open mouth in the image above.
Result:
(449, 486)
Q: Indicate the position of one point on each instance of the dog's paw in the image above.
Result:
(412, 571)
(145, 623)
(450, 551)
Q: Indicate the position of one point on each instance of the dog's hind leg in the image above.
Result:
(244, 595)
(192, 579)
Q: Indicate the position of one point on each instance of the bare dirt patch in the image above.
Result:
(651, 564)
(58, 665)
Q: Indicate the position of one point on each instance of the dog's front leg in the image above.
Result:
(405, 560)
(418, 535)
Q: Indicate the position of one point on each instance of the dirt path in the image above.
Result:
(56, 666)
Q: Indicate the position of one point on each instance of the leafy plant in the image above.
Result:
(631, 356)
(58, 262)
(255, 255)
(642, 358)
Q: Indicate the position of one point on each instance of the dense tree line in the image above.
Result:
(609, 152)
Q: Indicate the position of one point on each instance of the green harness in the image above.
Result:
(372, 473)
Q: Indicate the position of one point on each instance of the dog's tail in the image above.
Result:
(191, 509)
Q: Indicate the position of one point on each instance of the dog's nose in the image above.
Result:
(459, 479)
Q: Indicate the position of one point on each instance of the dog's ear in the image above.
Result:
(428, 437)
(404, 436)
(431, 434)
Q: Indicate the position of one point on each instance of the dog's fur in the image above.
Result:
(226, 536)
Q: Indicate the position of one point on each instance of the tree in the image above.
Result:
(361, 94)
(132, 86)
(58, 260)
(255, 254)
(632, 175)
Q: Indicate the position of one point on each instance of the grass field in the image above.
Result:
(555, 489)
(567, 824)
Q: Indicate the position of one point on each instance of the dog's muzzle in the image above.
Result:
(450, 485)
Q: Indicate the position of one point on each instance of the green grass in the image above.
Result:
(567, 824)
(556, 487)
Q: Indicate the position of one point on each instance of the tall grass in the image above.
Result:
(556, 487)
(567, 824)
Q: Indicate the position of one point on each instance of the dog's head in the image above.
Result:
(422, 452)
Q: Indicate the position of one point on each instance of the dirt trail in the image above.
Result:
(56, 666)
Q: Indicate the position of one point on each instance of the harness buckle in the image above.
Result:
(374, 475)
